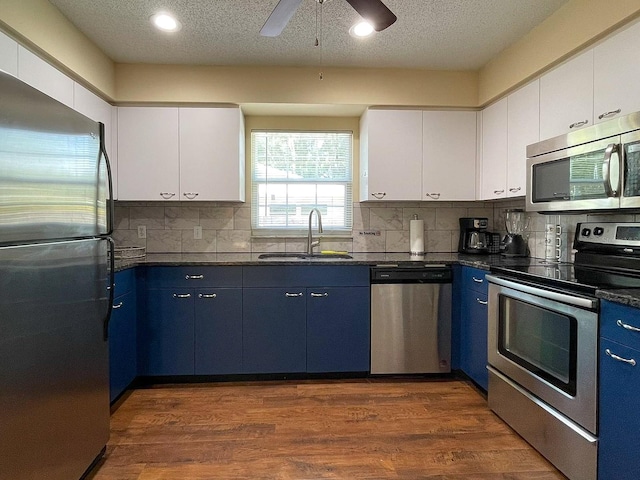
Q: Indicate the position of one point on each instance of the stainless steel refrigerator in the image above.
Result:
(56, 284)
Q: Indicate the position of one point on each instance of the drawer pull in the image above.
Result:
(325, 294)
(181, 295)
(115, 307)
(609, 114)
(499, 192)
(630, 361)
(620, 323)
(379, 195)
(478, 280)
(194, 277)
(190, 195)
(515, 189)
(481, 302)
(167, 195)
(207, 295)
(435, 196)
(578, 124)
(287, 294)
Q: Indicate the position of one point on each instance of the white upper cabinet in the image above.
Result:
(46, 78)
(494, 151)
(391, 155)
(616, 74)
(180, 154)
(566, 97)
(211, 154)
(148, 166)
(523, 128)
(449, 155)
(8, 55)
(98, 110)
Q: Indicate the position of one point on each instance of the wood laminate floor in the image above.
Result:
(357, 429)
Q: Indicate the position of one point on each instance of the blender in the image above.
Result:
(515, 242)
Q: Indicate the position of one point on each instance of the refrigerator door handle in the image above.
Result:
(111, 288)
(110, 207)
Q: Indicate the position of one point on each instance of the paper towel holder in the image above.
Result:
(416, 236)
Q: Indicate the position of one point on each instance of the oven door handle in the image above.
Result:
(539, 292)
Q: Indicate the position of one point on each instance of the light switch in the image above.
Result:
(142, 231)
(197, 232)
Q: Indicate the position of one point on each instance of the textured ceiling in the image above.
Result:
(429, 34)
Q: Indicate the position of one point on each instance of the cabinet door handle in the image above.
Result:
(190, 195)
(379, 195)
(207, 295)
(287, 294)
(578, 124)
(181, 295)
(435, 196)
(115, 307)
(194, 277)
(167, 195)
(612, 113)
(630, 361)
(515, 189)
(478, 280)
(325, 294)
(481, 302)
(499, 192)
(620, 323)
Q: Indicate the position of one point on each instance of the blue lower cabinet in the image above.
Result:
(122, 344)
(619, 404)
(473, 315)
(274, 330)
(166, 345)
(338, 329)
(218, 331)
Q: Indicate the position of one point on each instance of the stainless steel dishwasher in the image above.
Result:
(411, 319)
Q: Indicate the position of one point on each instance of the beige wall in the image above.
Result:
(576, 25)
(339, 86)
(40, 26)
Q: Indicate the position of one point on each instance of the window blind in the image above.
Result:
(293, 172)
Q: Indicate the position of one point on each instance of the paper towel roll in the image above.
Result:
(416, 237)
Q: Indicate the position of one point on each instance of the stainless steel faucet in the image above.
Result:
(310, 242)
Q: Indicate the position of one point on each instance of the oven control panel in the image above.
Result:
(624, 236)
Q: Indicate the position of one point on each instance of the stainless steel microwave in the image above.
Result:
(596, 168)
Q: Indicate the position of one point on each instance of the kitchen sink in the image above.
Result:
(302, 256)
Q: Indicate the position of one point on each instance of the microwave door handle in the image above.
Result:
(606, 174)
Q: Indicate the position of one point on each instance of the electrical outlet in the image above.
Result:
(197, 232)
(142, 231)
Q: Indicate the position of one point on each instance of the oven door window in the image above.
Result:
(540, 340)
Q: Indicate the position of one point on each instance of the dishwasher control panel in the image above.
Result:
(422, 274)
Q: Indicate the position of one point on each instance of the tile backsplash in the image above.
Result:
(226, 227)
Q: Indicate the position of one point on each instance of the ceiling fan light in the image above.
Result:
(361, 29)
(165, 22)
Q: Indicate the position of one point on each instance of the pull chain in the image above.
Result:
(319, 39)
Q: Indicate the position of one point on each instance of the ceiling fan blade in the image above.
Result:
(279, 18)
(375, 12)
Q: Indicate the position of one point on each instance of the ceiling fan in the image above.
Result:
(374, 11)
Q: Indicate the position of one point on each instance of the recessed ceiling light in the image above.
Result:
(361, 29)
(165, 22)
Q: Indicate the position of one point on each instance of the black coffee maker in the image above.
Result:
(474, 237)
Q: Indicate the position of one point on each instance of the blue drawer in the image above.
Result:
(613, 319)
(306, 276)
(474, 279)
(194, 276)
(125, 282)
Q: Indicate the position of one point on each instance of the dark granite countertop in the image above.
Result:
(498, 262)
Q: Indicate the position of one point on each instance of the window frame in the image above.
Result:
(301, 230)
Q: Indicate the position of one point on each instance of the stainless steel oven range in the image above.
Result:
(543, 344)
